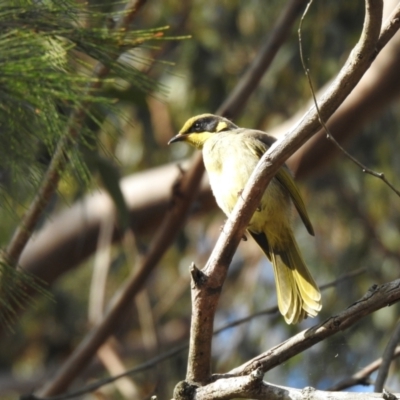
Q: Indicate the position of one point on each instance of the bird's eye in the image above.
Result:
(197, 126)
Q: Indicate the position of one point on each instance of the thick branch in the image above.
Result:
(252, 386)
(216, 269)
(205, 296)
(165, 235)
(379, 86)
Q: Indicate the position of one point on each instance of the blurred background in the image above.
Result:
(355, 216)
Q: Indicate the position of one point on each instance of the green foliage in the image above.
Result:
(16, 289)
(47, 50)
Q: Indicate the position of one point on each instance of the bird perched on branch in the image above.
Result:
(230, 155)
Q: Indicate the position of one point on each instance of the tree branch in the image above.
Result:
(387, 358)
(151, 363)
(165, 235)
(252, 386)
(371, 97)
(361, 377)
(205, 296)
(376, 298)
(273, 42)
(381, 43)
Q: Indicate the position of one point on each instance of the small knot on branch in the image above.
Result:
(184, 391)
(257, 375)
(308, 391)
(388, 396)
(373, 288)
(199, 277)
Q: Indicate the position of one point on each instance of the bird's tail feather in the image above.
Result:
(298, 294)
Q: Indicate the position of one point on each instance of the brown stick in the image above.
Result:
(371, 97)
(172, 223)
(199, 366)
(206, 288)
(376, 298)
(387, 358)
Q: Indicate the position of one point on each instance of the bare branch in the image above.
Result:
(115, 365)
(387, 358)
(205, 297)
(376, 298)
(100, 271)
(55, 250)
(377, 89)
(200, 348)
(382, 41)
(171, 353)
(163, 238)
(252, 386)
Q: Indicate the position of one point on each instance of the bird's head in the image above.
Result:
(197, 130)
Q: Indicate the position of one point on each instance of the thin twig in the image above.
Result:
(376, 298)
(101, 382)
(343, 278)
(387, 358)
(274, 309)
(114, 365)
(329, 135)
(361, 377)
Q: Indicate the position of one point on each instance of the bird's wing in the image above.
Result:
(284, 177)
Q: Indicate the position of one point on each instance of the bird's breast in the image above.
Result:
(229, 165)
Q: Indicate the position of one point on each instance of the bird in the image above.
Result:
(230, 155)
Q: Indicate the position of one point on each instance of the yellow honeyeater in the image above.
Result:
(230, 155)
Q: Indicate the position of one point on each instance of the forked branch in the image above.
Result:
(205, 296)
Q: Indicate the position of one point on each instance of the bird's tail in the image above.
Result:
(298, 294)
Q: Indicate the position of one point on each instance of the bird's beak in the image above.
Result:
(177, 138)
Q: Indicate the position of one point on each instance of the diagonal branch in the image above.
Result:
(387, 358)
(163, 238)
(55, 246)
(327, 131)
(207, 283)
(376, 298)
